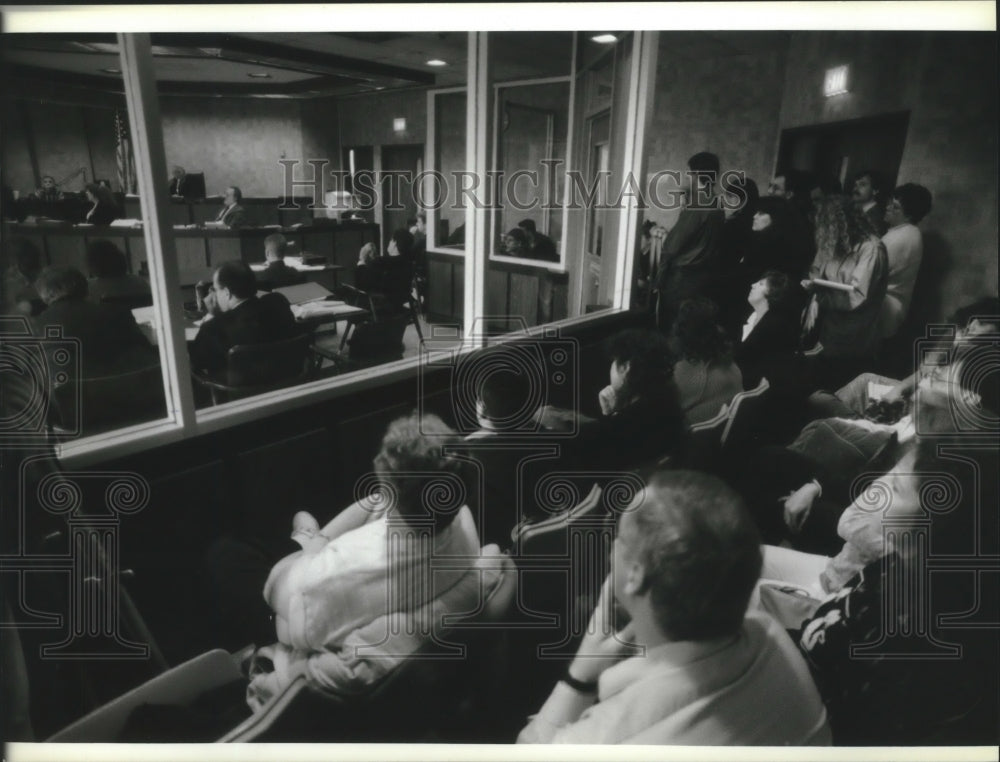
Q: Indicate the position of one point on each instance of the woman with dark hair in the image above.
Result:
(770, 337)
(705, 374)
(104, 210)
(640, 418)
(780, 241)
(847, 281)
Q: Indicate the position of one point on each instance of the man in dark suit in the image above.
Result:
(110, 340)
(176, 187)
(869, 187)
(277, 274)
(232, 214)
(771, 335)
(238, 316)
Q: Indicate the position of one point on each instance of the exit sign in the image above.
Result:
(836, 81)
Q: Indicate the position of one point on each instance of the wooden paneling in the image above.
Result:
(224, 249)
(523, 291)
(191, 253)
(496, 293)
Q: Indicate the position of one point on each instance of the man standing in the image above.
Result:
(867, 195)
(692, 251)
(237, 316)
(698, 669)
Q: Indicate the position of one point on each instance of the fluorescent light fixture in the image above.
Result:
(258, 75)
(437, 62)
(399, 125)
(604, 39)
(835, 82)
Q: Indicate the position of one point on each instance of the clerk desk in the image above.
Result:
(196, 247)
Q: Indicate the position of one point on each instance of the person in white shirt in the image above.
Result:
(909, 204)
(689, 667)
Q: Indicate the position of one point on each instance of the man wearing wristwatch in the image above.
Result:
(690, 666)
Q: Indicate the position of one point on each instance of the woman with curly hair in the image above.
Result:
(848, 252)
(706, 376)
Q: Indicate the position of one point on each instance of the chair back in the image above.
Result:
(746, 413)
(110, 401)
(705, 442)
(275, 363)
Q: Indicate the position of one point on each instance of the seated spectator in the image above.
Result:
(390, 275)
(540, 246)
(277, 274)
(772, 333)
(515, 244)
(20, 296)
(236, 315)
(982, 318)
(849, 253)
(232, 214)
(685, 564)
(109, 275)
(104, 210)
(111, 342)
(347, 607)
(177, 177)
(49, 190)
(640, 414)
(886, 695)
(705, 374)
(904, 247)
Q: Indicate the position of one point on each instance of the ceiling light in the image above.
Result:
(111, 71)
(258, 74)
(437, 62)
(604, 39)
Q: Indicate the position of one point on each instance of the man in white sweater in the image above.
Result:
(904, 246)
(690, 667)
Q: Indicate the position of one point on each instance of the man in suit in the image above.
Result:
(278, 274)
(238, 316)
(110, 340)
(49, 190)
(176, 187)
(869, 188)
(692, 252)
(232, 214)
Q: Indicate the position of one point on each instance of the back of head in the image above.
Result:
(915, 200)
(743, 188)
(697, 335)
(105, 260)
(519, 235)
(650, 361)
(704, 162)
(699, 551)
(275, 245)
(507, 395)
(528, 225)
(237, 193)
(61, 282)
(426, 487)
(238, 278)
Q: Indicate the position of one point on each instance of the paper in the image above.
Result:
(877, 391)
(833, 284)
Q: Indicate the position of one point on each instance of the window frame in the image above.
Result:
(135, 53)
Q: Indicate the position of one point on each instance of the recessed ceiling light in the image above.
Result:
(111, 71)
(258, 74)
(604, 39)
(437, 62)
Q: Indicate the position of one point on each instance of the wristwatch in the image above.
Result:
(578, 685)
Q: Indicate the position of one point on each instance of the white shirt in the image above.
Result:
(751, 323)
(904, 247)
(754, 689)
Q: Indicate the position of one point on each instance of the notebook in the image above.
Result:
(304, 292)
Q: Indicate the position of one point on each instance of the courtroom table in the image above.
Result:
(200, 248)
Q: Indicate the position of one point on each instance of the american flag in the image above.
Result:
(123, 154)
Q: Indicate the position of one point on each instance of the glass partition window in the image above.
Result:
(260, 215)
(74, 294)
